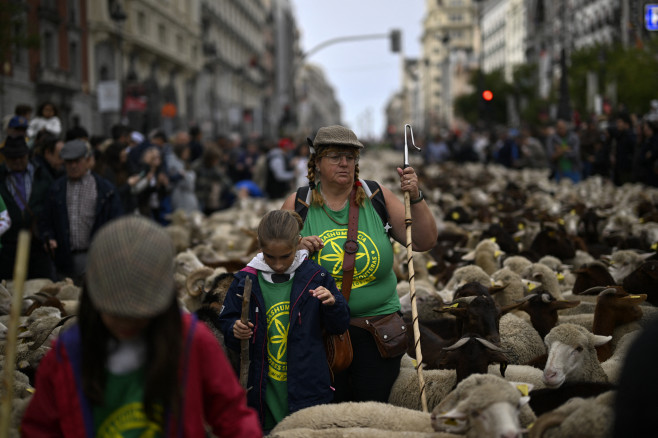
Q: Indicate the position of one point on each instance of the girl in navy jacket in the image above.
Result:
(292, 301)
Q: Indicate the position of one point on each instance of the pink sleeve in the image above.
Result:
(41, 417)
(224, 400)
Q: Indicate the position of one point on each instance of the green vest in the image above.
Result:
(122, 413)
(374, 282)
(277, 304)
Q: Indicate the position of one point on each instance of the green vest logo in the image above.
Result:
(131, 420)
(277, 329)
(366, 258)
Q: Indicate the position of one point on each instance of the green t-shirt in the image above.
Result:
(122, 415)
(374, 282)
(277, 303)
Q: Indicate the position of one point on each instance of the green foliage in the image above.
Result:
(472, 108)
(12, 17)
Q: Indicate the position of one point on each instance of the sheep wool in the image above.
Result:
(406, 392)
(374, 415)
(520, 340)
(486, 395)
(578, 418)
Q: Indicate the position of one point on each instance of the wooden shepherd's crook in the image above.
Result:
(244, 344)
(20, 272)
(410, 268)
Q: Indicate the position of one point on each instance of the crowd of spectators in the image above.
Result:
(64, 185)
(621, 147)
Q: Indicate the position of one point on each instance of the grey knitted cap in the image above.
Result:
(130, 268)
(336, 135)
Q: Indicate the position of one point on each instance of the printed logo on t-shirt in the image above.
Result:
(131, 421)
(366, 258)
(277, 345)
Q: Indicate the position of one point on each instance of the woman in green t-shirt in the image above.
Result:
(333, 173)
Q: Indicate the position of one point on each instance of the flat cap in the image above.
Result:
(15, 147)
(75, 149)
(130, 268)
(336, 135)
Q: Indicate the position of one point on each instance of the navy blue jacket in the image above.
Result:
(54, 222)
(309, 381)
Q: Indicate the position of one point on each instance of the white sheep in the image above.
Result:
(461, 276)
(519, 340)
(578, 418)
(514, 289)
(613, 366)
(623, 262)
(185, 263)
(486, 255)
(484, 405)
(572, 356)
(516, 263)
(406, 392)
(546, 276)
(333, 419)
(565, 277)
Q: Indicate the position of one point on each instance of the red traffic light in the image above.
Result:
(487, 95)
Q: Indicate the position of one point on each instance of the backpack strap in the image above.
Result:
(376, 195)
(373, 192)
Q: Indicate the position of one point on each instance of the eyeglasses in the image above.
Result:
(335, 158)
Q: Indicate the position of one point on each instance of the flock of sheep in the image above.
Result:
(527, 305)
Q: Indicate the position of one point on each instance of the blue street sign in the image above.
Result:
(651, 17)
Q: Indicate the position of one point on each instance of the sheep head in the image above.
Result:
(572, 355)
(482, 406)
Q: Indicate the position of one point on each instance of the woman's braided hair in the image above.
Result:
(316, 196)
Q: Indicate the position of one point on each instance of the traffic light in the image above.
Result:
(395, 40)
(487, 95)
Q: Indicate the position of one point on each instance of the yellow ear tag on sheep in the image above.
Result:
(573, 211)
(31, 390)
(430, 265)
(452, 306)
(551, 234)
(493, 239)
(450, 422)
(523, 389)
(560, 276)
(641, 220)
(455, 215)
(531, 286)
(654, 246)
(560, 221)
(520, 226)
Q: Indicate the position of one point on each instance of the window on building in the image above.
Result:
(18, 52)
(74, 60)
(179, 43)
(162, 34)
(141, 23)
(72, 9)
(49, 50)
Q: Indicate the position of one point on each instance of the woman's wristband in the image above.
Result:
(418, 199)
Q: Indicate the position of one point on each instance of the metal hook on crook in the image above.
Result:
(413, 143)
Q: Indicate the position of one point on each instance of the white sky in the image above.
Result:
(364, 74)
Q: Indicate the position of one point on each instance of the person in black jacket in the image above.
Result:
(292, 301)
(78, 205)
(24, 188)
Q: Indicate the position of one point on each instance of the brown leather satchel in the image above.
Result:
(339, 347)
(389, 331)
